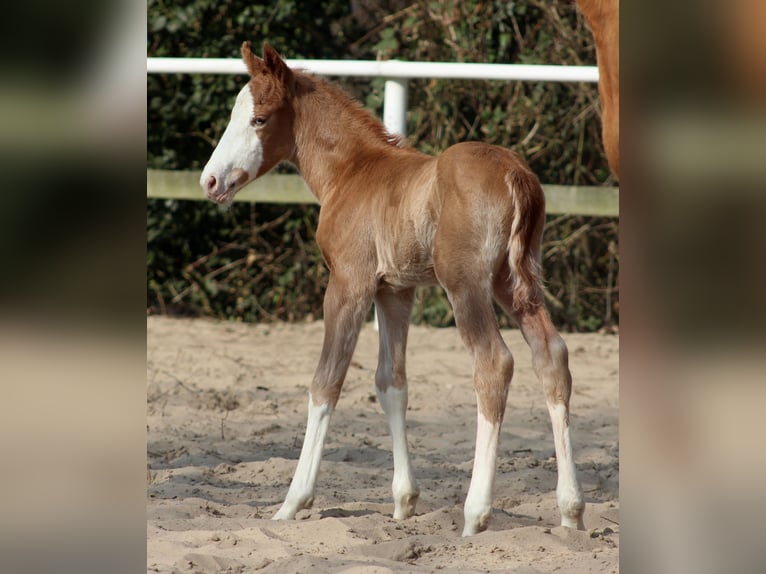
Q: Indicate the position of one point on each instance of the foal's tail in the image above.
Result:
(525, 241)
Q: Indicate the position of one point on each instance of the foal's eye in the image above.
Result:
(257, 121)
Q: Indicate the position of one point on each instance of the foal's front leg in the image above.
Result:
(346, 303)
(391, 388)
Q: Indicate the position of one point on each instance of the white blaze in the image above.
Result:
(239, 146)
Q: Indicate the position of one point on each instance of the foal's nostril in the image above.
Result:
(211, 184)
(234, 180)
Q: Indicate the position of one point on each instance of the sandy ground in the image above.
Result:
(226, 415)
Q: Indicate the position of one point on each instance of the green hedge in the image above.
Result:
(260, 262)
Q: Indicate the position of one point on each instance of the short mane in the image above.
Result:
(365, 120)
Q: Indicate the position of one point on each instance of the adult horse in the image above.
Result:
(603, 17)
(393, 218)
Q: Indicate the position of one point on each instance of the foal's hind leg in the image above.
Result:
(551, 363)
(492, 372)
(391, 387)
(346, 303)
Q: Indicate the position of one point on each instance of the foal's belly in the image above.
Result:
(405, 267)
(412, 276)
(404, 241)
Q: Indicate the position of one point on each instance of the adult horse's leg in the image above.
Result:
(391, 387)
(550, 359)
(346, 303)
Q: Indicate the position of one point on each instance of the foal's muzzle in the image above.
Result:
(222, 188)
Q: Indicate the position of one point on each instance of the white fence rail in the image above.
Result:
(396, 73)
(386, 69)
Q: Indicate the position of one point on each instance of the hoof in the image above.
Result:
(290, 509)
(574, 523)
(405, 507)
(476, 525)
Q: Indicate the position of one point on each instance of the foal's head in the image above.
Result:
(260, 132)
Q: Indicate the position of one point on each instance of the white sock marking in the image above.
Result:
(568, 490)
(301, 493)
(404, 486)
(478, 503)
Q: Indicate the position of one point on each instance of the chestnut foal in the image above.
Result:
(393, 218)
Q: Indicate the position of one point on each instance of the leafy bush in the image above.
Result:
(260, 262)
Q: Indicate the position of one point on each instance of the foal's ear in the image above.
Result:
(254, 64)
(271, 57)
(278, 67)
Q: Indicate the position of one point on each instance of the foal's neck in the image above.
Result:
(334, 136)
